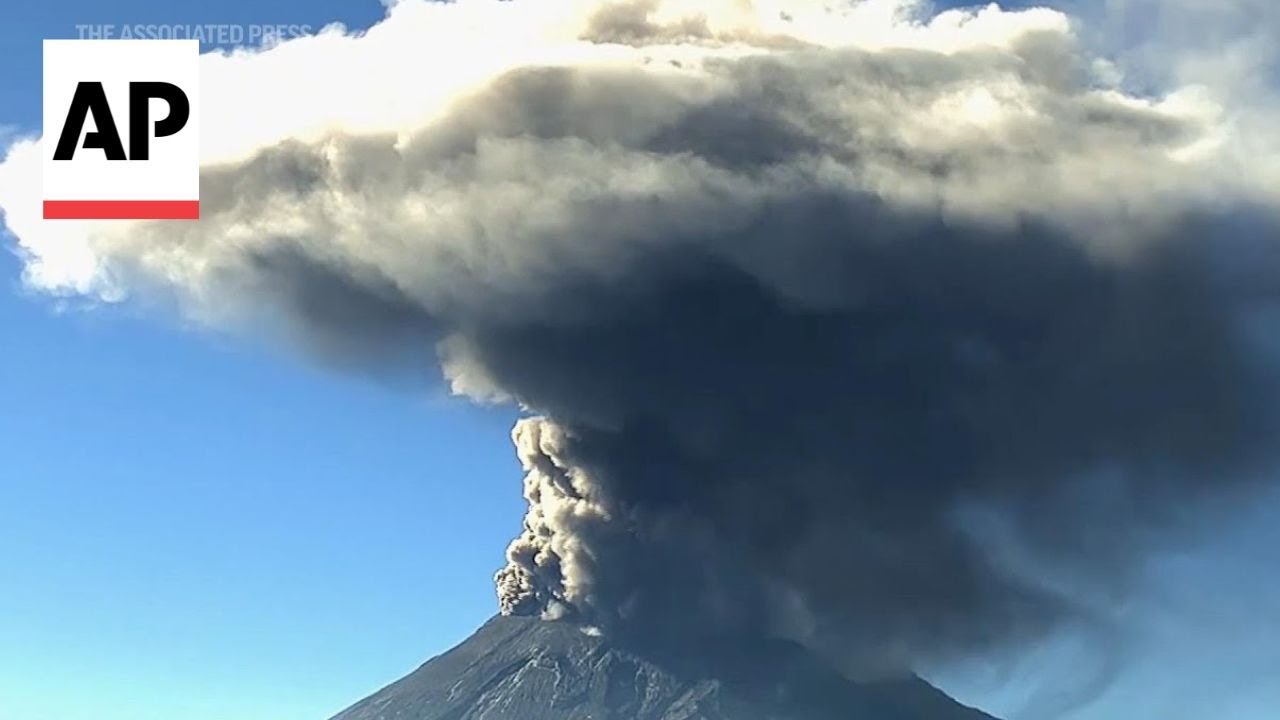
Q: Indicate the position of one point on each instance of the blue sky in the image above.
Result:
(196, 528)
(169, 549)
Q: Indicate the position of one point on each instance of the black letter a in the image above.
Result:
(89, 98)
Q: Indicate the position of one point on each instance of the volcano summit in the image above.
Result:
(522, 668)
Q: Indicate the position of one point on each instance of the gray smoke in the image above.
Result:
(808, 350)
(718, 456)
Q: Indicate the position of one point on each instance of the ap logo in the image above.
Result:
(120, 129)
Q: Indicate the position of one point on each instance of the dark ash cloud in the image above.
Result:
(717, 455)
(811, 340)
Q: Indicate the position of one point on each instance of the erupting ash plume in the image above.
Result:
(721, 454)
(823, 315)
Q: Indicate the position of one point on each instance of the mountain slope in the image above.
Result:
(516, 668)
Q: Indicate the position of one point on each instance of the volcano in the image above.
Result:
(522, 668)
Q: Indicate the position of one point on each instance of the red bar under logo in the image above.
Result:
(121, 209)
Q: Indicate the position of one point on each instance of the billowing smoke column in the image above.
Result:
(721, 454)
(825, 332)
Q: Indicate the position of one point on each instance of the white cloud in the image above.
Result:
(411, 70)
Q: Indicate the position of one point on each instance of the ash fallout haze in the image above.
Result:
(913, 339)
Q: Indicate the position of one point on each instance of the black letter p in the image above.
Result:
(140, 95)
